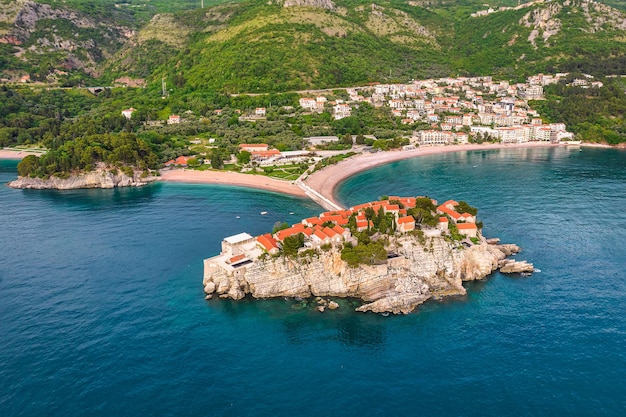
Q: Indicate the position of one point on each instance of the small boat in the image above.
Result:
(263, 213)
(237, 217)
(291, 212)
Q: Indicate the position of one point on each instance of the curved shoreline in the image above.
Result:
(322, 185)
(327, 180)
(232, 178)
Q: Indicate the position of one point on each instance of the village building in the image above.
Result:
(128, 113)
(253, 147)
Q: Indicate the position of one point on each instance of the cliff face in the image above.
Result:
(99, 178)
(432, 268)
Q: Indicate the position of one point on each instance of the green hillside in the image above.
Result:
(256, 46)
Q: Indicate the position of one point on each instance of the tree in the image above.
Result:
(346, 139)
(291, 244)
(463, 207)
(243, 157)
(216, 161)
(279, 226)
(360, 139)
(193, 162)
(28, 166)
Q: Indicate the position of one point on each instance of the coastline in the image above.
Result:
(322, 185)
(327, 180)
(232, 178)
(16, 153)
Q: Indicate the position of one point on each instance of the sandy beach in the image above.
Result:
(326, 180)
(232, 178)
(15, 153)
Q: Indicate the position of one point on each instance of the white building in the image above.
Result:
(128, 113)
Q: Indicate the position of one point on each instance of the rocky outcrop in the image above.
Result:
(508, 266)
(323, 4)
(99, 178)
(416, 271)
(77, 40)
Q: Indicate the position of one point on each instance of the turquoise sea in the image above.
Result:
(102, 311)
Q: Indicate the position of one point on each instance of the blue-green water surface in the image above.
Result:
(102, 311)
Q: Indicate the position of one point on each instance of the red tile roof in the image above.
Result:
(253, 145)
(339, 230)
(294, 230)
(267, 241)
(466, 226)
(236, 258)
(406, 220)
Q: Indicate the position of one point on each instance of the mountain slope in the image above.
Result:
(260, 46)
(47, 42)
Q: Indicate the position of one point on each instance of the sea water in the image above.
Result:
(102, 311)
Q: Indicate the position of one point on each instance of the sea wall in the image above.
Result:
(99, 178)
(419, 270)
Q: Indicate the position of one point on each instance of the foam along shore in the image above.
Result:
(326, 180)
(232, 178)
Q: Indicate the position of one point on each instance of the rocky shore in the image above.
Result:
(99, 178)
(417, 270)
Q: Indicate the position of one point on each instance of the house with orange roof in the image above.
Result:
(360, 207)
(406, 224)
(253, 147)
(363, 225)
(445, 209)
(468, 218)
(467, 229)
(268, 243)
(340, 220)
(261, 155)
(408, 202)
(181, 160)
(290, 231)
(443, 224)
(318, 237)
(333, 236)
(451, 204)
(312, 221)
(391, 208)
(344, 232)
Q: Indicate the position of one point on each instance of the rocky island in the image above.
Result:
(98, 178)
(393, 254)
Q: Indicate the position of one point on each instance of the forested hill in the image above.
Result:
(281, 45)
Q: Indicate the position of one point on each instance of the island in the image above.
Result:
(393, 254)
